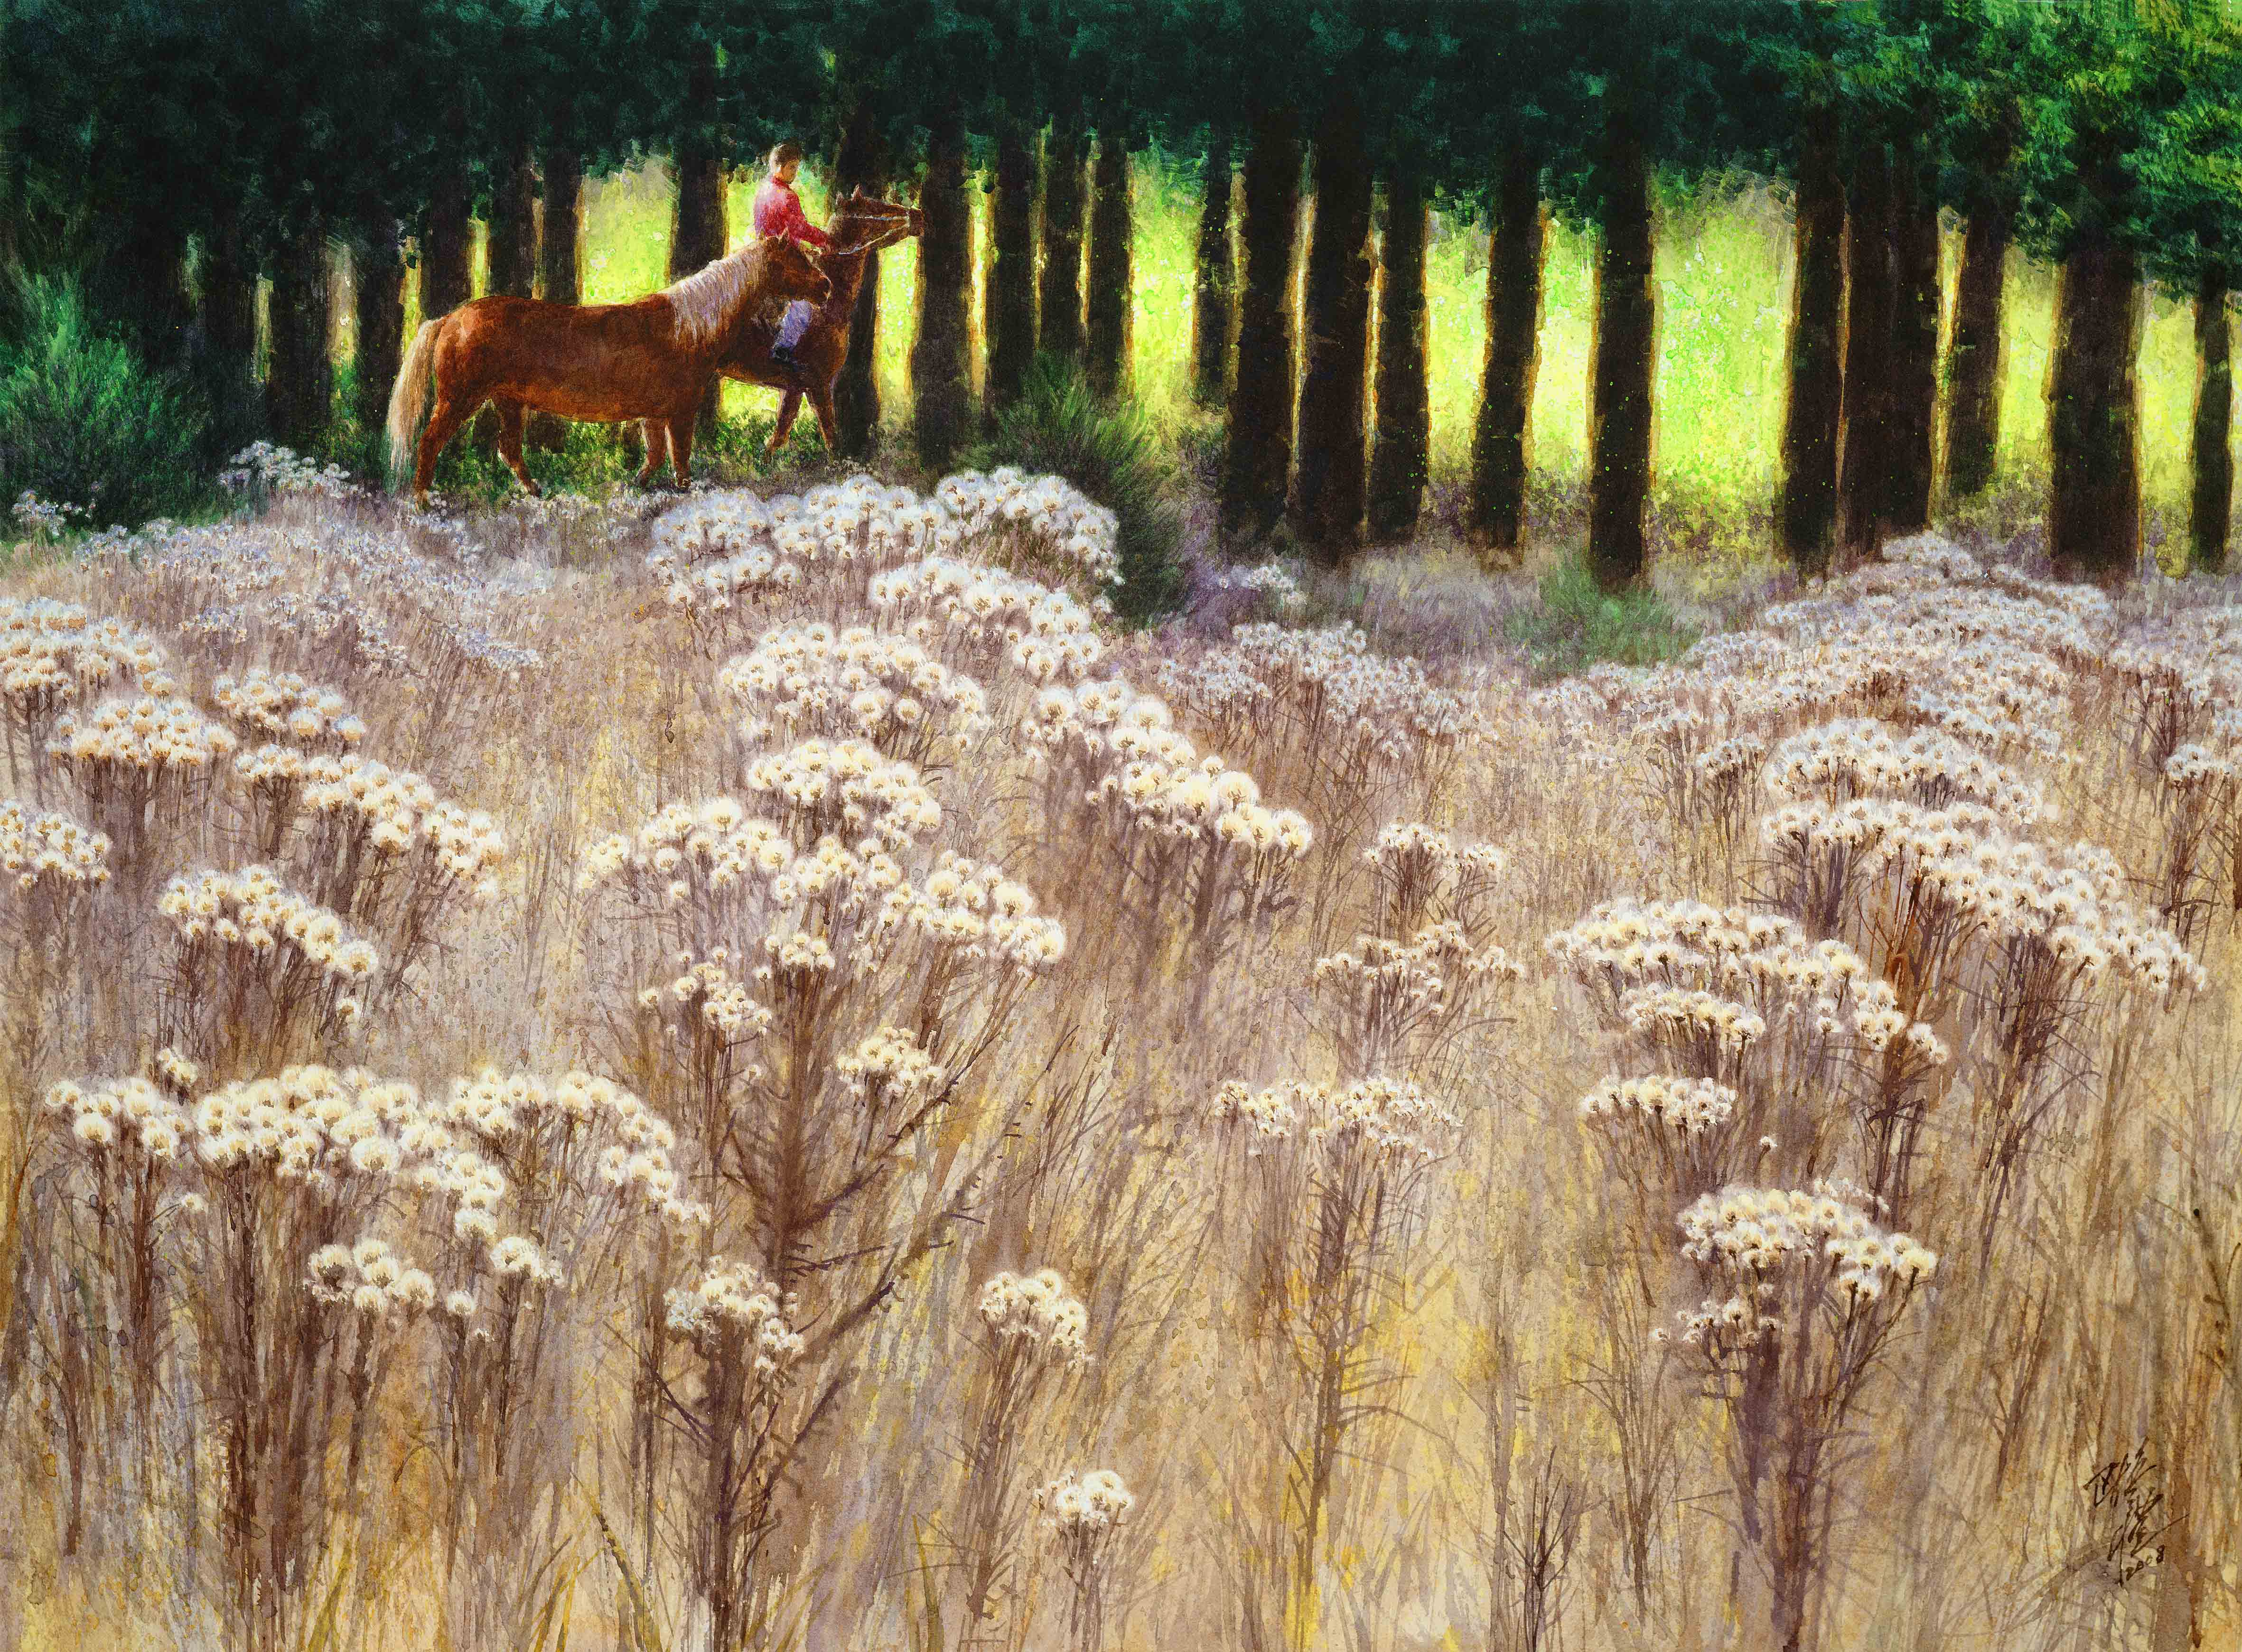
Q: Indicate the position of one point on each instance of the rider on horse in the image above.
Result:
(778, 211)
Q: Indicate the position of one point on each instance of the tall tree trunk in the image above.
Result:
(1213, 304)
(1626, 355)
(513, 252)
(228, 364)
(1915, 345)
(1973, 365)
(1008, 285)
(378, 286)
(941, 361)
(697, 232)
(1400, 448)
(148, 278)
(1327, 499)
(1807, 512)
(559, 255)
(2211, 514)
(2094, 501)
(1105, 330)
(1059, 306)
(1500, 450)
(1864, 461)
(856, 392)
(299, 391)
(446, 247)
(1258, 457)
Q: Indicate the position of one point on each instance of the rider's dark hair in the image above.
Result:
(781, 153)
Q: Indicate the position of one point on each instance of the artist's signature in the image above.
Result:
(2125, 1486)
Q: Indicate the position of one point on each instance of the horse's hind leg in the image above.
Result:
(789, 408)
(510, 415)
(657, 448)
(821, 399)
(444, 422)
(680, 449)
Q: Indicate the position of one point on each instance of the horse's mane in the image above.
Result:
(704, 301)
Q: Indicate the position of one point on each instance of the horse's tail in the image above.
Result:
(408, 402)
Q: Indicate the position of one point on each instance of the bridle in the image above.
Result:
(892, 223)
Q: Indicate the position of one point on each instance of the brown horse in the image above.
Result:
(604, 363)
(862, 226)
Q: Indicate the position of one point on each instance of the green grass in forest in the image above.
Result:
(1723, 278)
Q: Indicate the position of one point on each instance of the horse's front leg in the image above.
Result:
(657, 448)
(680, 447)
(789, 408)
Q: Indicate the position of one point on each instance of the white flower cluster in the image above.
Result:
(144, 736)
(1859, 757)
(876, 686)
(1323, 683)
(947, 604)
(889, 1064)
(1095, 1503)
(252, 910)
(719, 999)
(53, 655)
(43, 520)
(2197, 767)
(734, 1299)
(1690, 1105)
(1036, 1312)
(311, 1124)
(1271, 580)
(282, 470)
(1060, 523)
(1390, 1117)
(282, 706)
(1747, 1234)
(1417, 972)
(133, 1113)
(395, 809)
(2073, 901)
(50, 849)
(370, 1279)
(846, 785)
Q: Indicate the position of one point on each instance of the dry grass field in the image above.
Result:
(671, 1074)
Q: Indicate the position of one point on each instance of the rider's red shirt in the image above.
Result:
(778, 211)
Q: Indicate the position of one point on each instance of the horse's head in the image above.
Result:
(865, 223)
(793, 272)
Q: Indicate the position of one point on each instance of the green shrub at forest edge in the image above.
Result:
(1112, 454)
(84, 421)
(1575, 625)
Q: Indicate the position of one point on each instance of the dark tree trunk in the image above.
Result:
(1864, 461)
(941, 360)
(1059, 308)
(856, 392)
(559, 258)
(1973, 369)
(1500, 438)
(1106, 329)
(2211, 514)
(1400, 449)
(148, 280)
(1213, 307)
(1328, 496)
(228, 366)
(377, 284)
(2094, 501)
(560, 230)
(1808, 512)
(1258, 457)
(1915, 345)
(447, 248)
(1625, 356)
(697, 232)
(1008, 286)
(512, 248)
(299, 391)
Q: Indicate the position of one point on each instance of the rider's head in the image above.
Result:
(785, 161)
